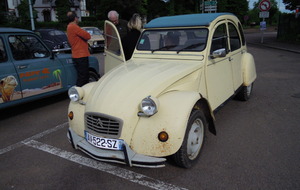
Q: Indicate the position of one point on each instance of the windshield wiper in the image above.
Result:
(190, 47)
(164, 48)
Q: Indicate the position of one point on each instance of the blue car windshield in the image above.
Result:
(173, 40)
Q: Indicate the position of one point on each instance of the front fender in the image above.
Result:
(248, 69)
(78, 109)
(172, 117)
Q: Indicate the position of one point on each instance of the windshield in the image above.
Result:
(173, 40)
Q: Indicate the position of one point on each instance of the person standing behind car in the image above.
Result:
(120, 24)
(78, 38)
(130, 40)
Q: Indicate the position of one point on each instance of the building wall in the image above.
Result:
(46, 9)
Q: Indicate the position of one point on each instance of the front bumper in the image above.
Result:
(126, 156)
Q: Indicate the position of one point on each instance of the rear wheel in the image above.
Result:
(245, 93)
(189, 151)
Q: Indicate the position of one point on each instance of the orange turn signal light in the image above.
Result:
(71, 115)
(163, 136)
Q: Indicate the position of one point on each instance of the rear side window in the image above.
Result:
(112, 43)
(3, 55)
(234, 38)
(27, 47)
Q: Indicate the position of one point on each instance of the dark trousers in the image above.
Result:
(82, 67)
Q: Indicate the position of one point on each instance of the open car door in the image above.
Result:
(114, 54)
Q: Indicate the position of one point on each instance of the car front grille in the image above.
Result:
(103, 125)
(100, 42)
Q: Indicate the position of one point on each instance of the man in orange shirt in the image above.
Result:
(78, 40)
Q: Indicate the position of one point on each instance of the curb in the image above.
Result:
(274, 47)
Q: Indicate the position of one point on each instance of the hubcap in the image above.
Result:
(195, 139)
(249, 89)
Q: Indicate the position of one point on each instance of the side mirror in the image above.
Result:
(218, 53)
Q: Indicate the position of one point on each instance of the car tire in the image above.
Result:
(93, 77)
(194, 139)
(245, 93)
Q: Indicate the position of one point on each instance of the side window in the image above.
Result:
(234, 38)
(219, 40)
(3, 55)
(27, 47)
(112, 43)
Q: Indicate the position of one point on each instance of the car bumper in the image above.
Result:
(126, 156)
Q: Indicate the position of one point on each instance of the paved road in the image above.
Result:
(257, 146)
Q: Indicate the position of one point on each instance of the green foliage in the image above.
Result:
(239, 8)
(289, 28)
(2, 12)
(291, 4)
(125, 8)
(273, 13)
(62, 7)
(148, 8)
(24, 13)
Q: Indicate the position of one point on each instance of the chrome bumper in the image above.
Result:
(125, 156)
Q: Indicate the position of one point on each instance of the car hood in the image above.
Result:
(96, 37)
(119, 92)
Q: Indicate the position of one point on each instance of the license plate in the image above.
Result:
(106, 143)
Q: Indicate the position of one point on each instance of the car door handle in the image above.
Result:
(230, 58)
(22, 66)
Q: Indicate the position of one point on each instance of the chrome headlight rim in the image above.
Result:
(75, 94)
(148, 106)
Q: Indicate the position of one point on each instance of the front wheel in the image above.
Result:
(189, 151)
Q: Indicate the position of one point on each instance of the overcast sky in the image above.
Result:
(281, 6)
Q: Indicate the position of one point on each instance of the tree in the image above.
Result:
(62, 7)
(3, 9)
(239, 8)
(125, 8)
(291, 4)
(24, 13)
(273, 12)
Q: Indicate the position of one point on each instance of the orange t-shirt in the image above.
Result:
(78, 40)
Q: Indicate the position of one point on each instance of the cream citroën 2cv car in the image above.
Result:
(161, 102)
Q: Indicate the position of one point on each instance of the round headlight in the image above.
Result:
(75, 94)
(148, 106)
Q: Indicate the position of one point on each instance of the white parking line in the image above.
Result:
(116, 171)
(37, 136)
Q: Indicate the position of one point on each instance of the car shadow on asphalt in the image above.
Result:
(26, 107)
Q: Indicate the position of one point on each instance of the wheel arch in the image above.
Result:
(248, 69)
(91, 69)
(203, 104)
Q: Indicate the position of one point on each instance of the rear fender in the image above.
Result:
(248, 69)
